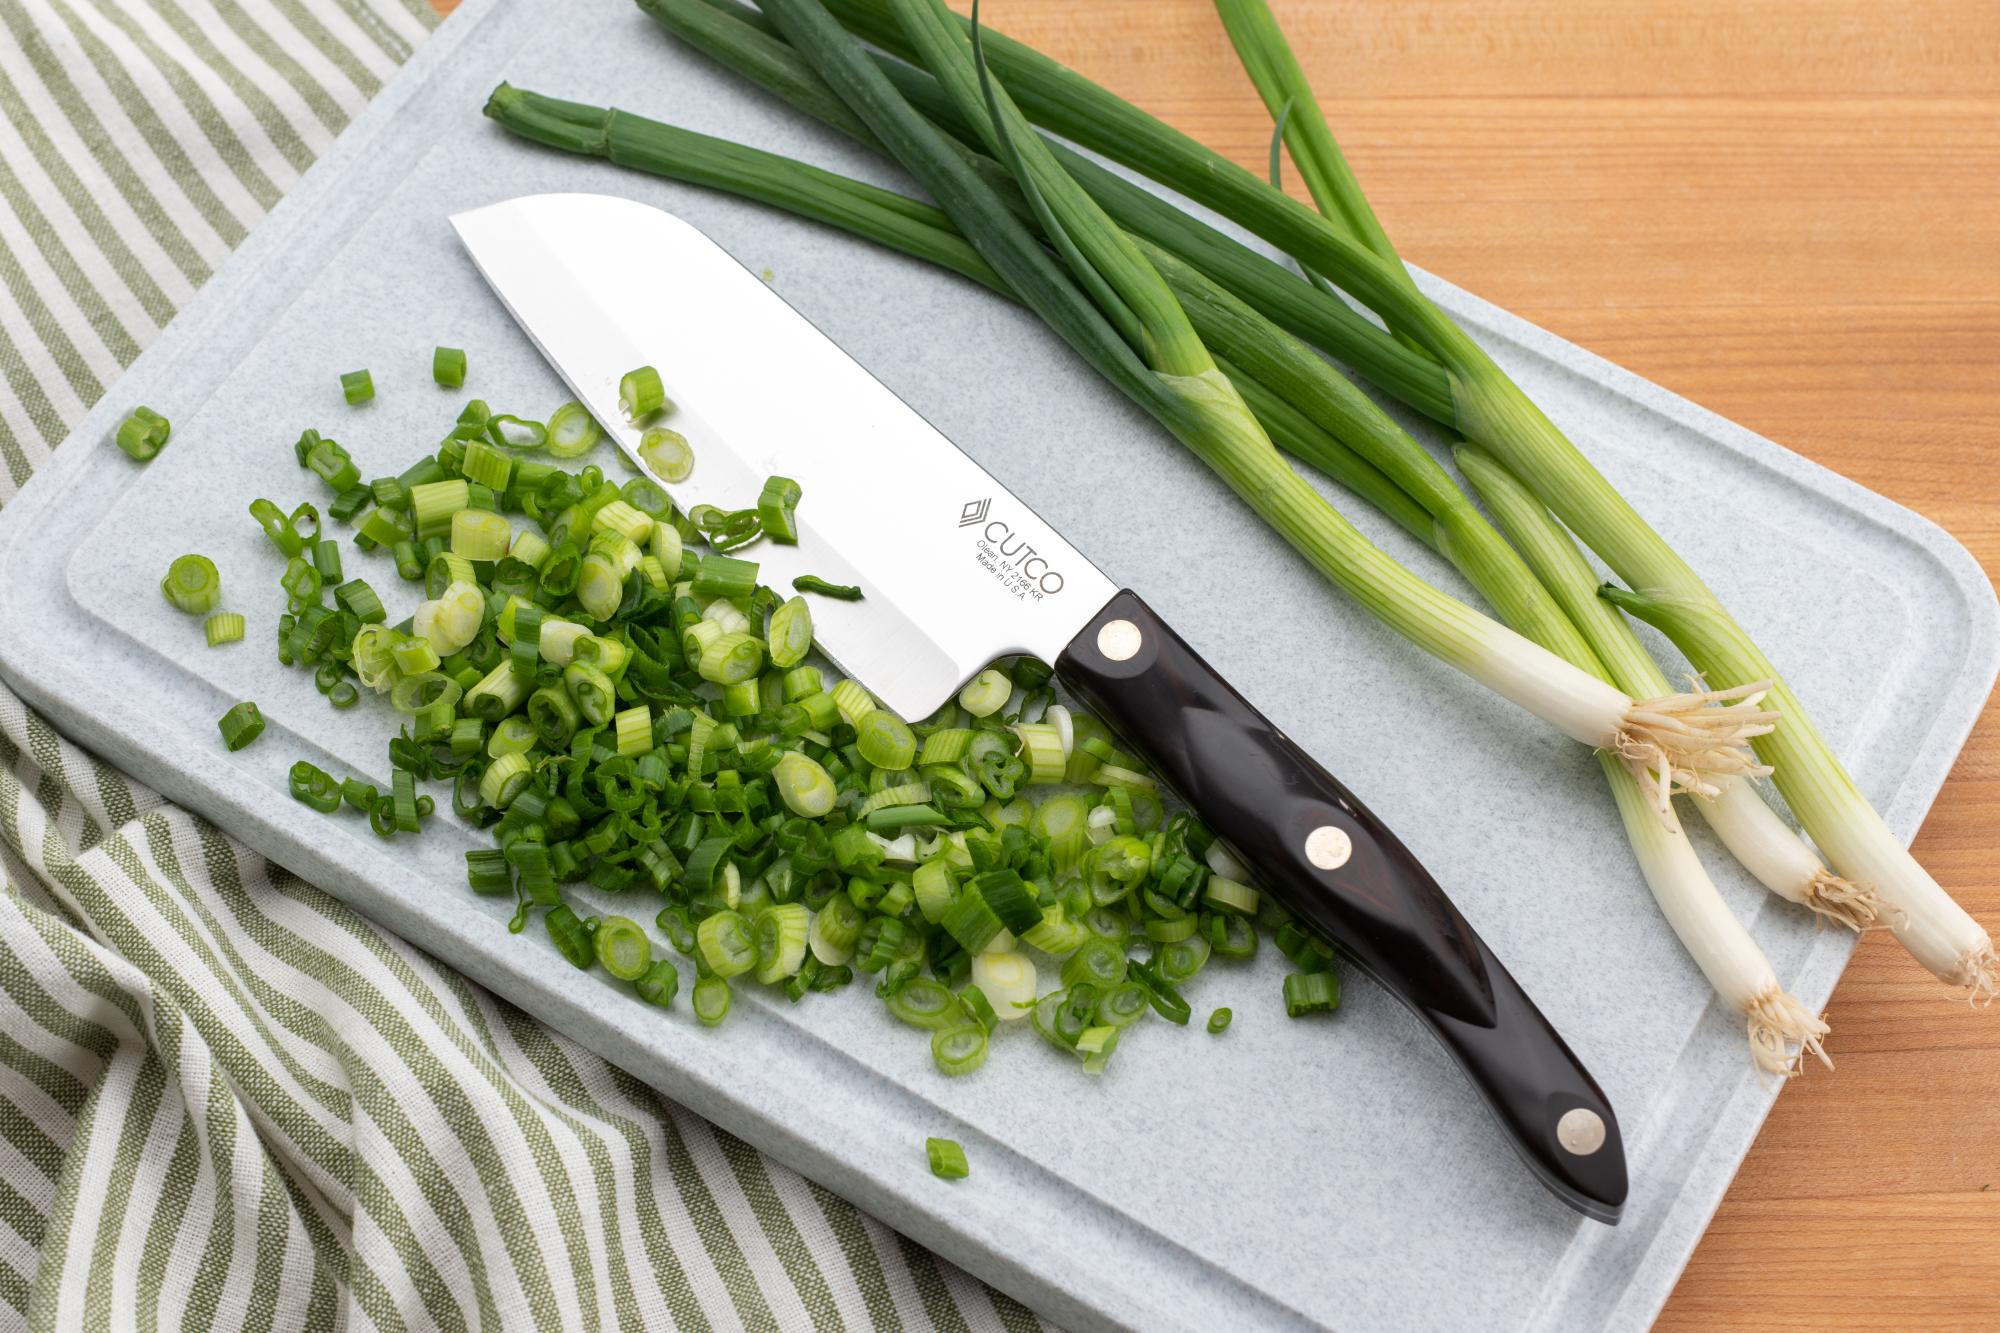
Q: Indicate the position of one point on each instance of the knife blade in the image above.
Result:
(957, 571)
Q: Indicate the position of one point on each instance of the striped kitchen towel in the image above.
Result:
(226, 1100)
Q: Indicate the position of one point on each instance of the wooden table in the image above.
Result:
(1788, 210)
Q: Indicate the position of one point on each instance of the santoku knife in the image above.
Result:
(967, 573)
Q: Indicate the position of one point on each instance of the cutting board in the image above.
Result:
(1317, 1173)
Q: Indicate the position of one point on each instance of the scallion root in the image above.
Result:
(1979, 973)
(1842, 901)
(1782, 1031)
(1693, 742)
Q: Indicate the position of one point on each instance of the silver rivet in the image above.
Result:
(1328, 847)
(1580, 1131)
(1119, 640)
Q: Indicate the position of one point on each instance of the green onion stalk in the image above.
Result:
(726, 32)
(1667, 592)
(1483, 403)
(1455, 528)
(1682, 739)
(1750, 829)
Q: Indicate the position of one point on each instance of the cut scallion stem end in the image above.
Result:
(357, 386)
(448, 367)
(192, 584)
(241, 725)
(223, 627)
(947, 1159)
(640, 394)
(142, 434)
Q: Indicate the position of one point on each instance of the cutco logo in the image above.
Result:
(1007, 555)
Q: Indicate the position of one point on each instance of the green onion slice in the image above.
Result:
(947, 1159)
(958, 1050)
(640, 394)
(142, 433)
(623, 948)
(192, 584)
(667, 454)
(572, 432)
(448, 367)
(711, 1000)
(241, 725)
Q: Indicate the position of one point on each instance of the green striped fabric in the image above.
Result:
(227, 1101)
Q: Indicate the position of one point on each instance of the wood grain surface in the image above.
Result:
(1789, 211)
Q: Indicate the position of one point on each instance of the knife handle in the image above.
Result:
(1338, 868)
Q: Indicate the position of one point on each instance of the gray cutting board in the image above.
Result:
(1333, 1172)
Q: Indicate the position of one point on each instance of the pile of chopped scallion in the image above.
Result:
(602, 682)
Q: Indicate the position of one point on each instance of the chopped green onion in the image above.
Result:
(434, 503)
(448, 367)
(727, 944)
(958, 1050)
(729, 658)
(667, 454)
(924, 1002)
(1219, 1021)
(278, 527)
(947, 1159)
(774, 510)
(781, 936)
(241, 725)
(310, 785)
(790, 635)
(485, 464)
(1042, 748)
(403, 799)
(595, 696)
(359, 600)
(885, 740)
(357, 386)
(1007, 979)
(486, 868)
(986, 694)
(623, 948)
(571, 935)
(640, 394)
(505, 779)
(142, 434)
(479, 535)
(223, 627)
(660, 984)
(192, 584)
(804, 786)
(572, 432)
(514, 432)
(624, 520)
(842, 592)
(711, 1000)
(1311, 993)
